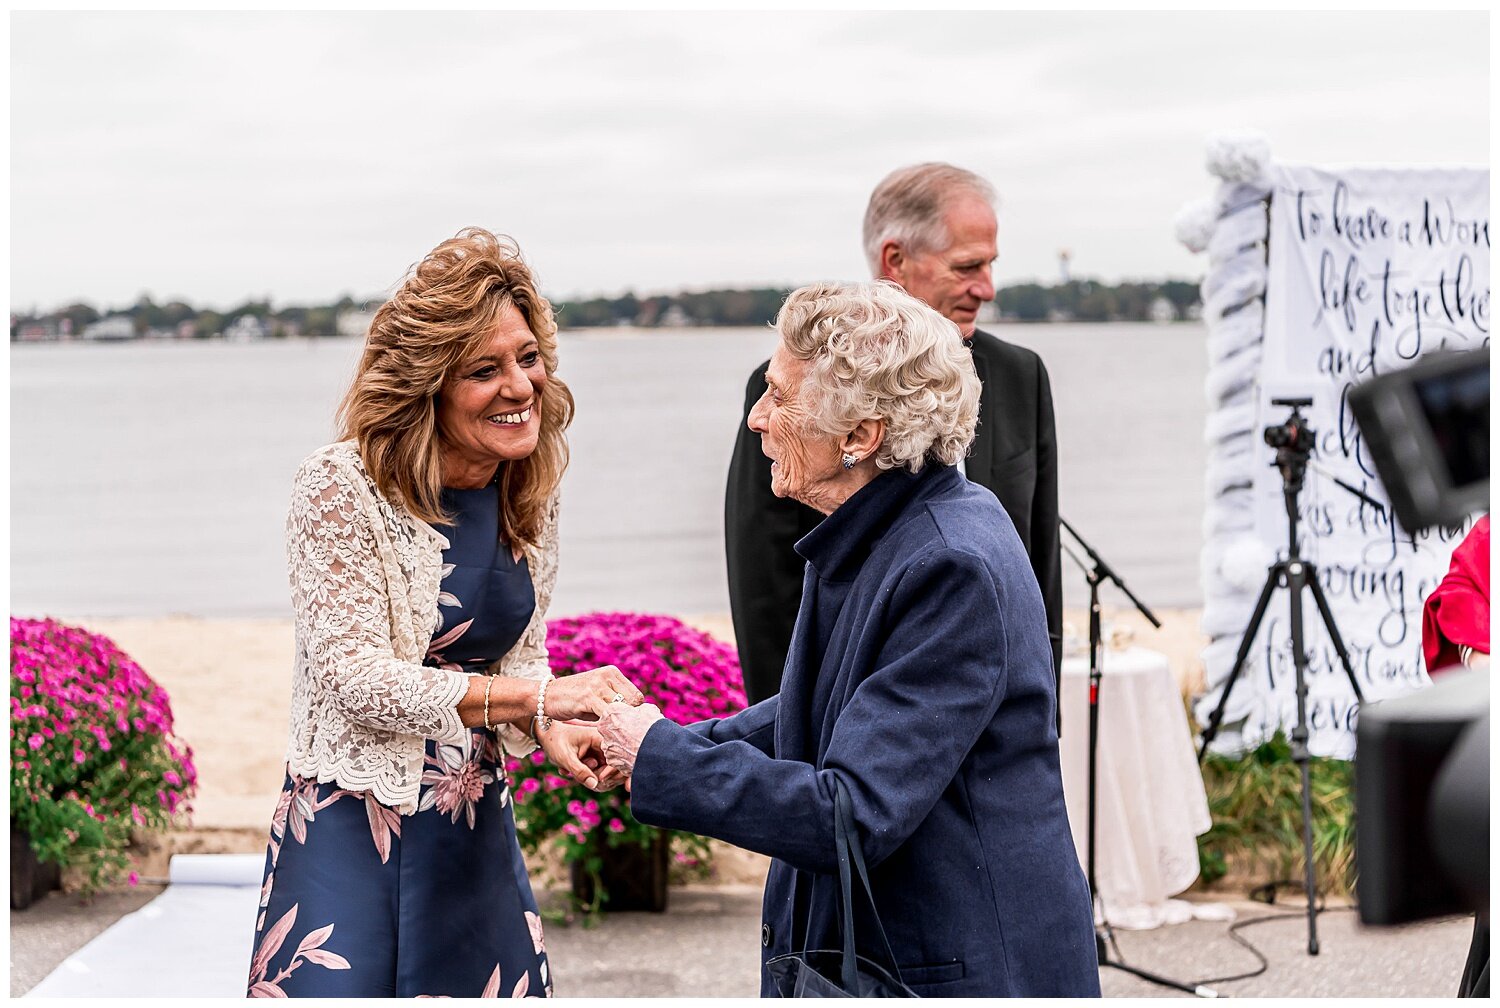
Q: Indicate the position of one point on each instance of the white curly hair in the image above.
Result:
(874, 351)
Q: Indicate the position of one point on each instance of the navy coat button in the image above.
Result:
(765, 935)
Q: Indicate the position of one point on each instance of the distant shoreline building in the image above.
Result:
(115, 327)
(353, 323)
(245, 329)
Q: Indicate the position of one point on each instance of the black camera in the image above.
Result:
(1422, 796)
(1293, 441)
(1293, 432)
(1422, 791)
(1427, 428)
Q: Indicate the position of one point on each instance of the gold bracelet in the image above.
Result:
(488, 683)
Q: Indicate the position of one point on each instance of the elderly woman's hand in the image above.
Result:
(587, 695)
(622, 728)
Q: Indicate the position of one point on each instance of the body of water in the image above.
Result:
(151, 478)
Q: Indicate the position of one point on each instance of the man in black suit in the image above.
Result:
(931, 229)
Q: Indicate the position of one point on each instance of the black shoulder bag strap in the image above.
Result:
(846, 840)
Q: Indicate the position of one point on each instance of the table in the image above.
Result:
(1151, 806)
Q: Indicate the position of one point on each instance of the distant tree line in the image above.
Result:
(178, 318)
(1092, 301)
(1076, 300)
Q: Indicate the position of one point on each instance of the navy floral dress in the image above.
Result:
(359, 901)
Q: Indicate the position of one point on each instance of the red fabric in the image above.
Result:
(1457, 613)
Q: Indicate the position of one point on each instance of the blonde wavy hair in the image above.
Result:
(444, 313)
(877, 352)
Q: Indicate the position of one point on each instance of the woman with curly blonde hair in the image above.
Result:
(422, 552)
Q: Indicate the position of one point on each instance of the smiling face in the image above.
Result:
(489, 410)
(954, 280)
(805, 465)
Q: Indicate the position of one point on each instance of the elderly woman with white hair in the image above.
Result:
(919, 681)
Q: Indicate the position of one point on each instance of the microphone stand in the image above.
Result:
(1097, 571)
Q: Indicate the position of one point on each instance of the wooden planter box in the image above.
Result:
(633, 877)
(30, 878)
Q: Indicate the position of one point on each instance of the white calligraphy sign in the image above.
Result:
(1369, 270)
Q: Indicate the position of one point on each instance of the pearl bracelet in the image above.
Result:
(488, 684)
(543, 722)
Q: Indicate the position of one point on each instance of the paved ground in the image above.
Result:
(707, 945)
(49, 931)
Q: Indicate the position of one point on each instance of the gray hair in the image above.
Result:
(877, 352)
(907, 207)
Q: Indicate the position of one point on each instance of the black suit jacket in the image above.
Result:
(1014, 455)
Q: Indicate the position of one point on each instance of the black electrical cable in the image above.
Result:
(1320, 907)
(1234, 929)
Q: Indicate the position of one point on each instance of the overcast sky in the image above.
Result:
(216, 157)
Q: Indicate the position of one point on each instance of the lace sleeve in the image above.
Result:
(528, 659)
(342, 612)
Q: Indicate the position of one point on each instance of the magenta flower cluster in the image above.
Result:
(93, 756)
(689, 674)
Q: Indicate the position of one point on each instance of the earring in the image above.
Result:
(849, 461)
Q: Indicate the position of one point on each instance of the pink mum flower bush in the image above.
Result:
(687, 673)
(92, 754)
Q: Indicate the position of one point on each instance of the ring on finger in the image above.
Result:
(618, 698)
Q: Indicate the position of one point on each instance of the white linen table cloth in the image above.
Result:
(1151, 805)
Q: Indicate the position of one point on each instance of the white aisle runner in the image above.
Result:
(191, 941)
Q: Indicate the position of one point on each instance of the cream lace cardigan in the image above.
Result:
(365, 577)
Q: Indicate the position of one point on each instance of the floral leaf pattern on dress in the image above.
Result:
(301, 811)
(383, 822)
(435, 649)
(534, 925)
(522, 986)
(313, 939)
(309, 950)
(448, 598)
(492, 989)
(271, 943)
(452, 784)
(323, 957)
(278, 818)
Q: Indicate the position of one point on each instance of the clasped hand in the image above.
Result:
(576, 703)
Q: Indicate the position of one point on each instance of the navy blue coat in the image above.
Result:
(920, 673)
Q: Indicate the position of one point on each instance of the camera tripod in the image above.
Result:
(1293, 442)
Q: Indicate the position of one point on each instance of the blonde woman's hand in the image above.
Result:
(585, 696)
(577, 752)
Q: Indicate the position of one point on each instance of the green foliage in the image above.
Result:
(93, 755)
(1027, 302)
(1256, 804)
(1076, 300)
(755, 307)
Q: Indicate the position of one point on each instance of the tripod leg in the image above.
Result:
(1333, 630)
(1296, 580)
(1273, 575)
(1307, 849)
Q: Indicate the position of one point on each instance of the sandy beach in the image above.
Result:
(229, 682)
